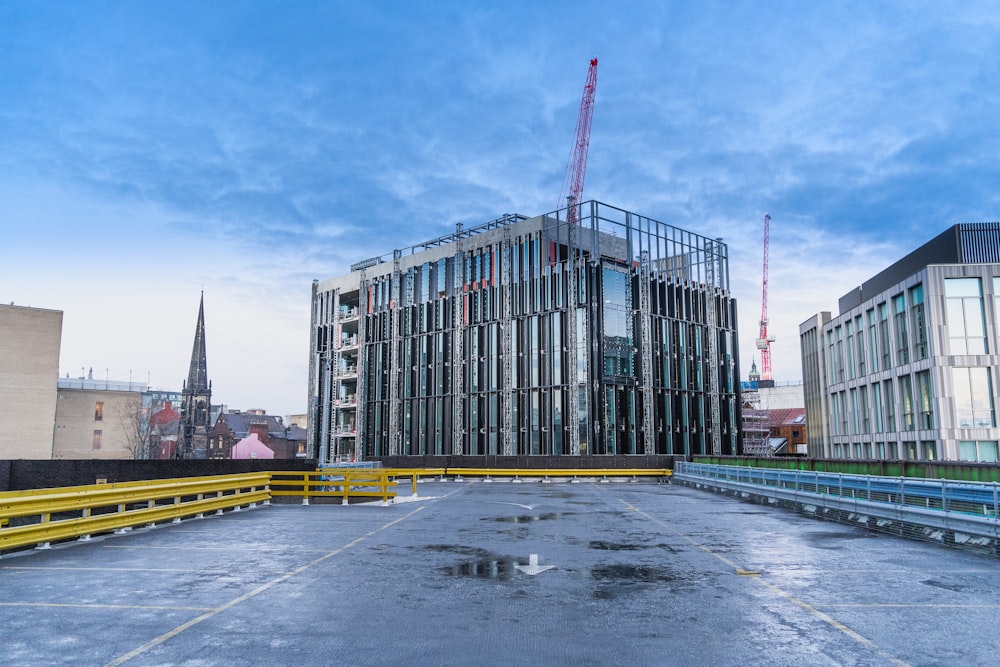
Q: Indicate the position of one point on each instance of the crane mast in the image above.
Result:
(764, 340)
(576, 167)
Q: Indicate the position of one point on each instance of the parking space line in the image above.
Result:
(82, 605)
(813, 611)
(255, 592)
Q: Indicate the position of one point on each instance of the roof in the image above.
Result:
(165, 416)
(786, 417)
(239, 423)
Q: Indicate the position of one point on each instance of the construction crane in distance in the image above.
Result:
(576, 167)
(764, 340)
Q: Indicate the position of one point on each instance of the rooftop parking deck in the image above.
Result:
(502, 573)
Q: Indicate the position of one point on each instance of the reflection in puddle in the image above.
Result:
(613, 546)
(524, 518)
(627, 574)
(497, 567)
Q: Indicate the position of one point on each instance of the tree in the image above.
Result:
(136, 426)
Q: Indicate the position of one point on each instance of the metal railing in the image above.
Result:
(972, 508)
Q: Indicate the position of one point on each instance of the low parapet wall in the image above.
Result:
(19, 475)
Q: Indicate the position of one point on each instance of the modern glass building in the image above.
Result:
(909, 368)
(590, 331)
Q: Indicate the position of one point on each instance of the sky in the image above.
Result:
(152, 151)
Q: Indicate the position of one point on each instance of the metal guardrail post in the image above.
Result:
(902, 491)
(944, 495)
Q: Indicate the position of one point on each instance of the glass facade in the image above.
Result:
(532, 338)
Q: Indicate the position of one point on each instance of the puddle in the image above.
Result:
(613, 546)
(457, 549)
(524, 518)
(833, 541)
(957, 588)
(627, 574)
(495, 567)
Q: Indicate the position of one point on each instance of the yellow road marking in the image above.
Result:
(826, 618)
(255, 592)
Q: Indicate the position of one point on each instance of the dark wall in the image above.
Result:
(17, 475)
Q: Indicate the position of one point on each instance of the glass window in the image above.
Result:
(99, 411)
(919, 323)
(849, 358)
(98, 436)
(981, 450)
(964, 309)
(617, 312)
(877, 405)
(902, 345)
(930, 450)
(906, 403)
(890, 406)
(872, 342)
(925, 396)
(973, 397)
(883, 333)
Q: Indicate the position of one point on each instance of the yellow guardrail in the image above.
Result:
(344, 483)
(568, 472)
(42, 516)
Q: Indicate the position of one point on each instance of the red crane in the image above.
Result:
(764, 340)
(576, 168)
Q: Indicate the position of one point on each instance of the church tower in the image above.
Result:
(196, 399)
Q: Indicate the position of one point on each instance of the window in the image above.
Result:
(883, 333)
(973, 397)
(872, 342)
(925, 398)
(930, 450)
(99, 411)
(98, 435)
(906, 402)
(859, 328)
(919, 323)
(849, 359)
(877, 405)
(866, 426)
(964, 308)
(890, 406)
(902, 345)
(978, 450)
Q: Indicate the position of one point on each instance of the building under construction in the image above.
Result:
(586, 332)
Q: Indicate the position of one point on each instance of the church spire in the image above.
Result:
(197, 380)
(196, 399)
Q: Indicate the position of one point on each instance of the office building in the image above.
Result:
(909, 367)
(587, 332)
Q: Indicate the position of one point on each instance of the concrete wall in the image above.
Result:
(78, 419)
(29, 368)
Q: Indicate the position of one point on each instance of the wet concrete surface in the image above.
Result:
(641, 574)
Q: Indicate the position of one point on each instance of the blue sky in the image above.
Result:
(149, 151)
